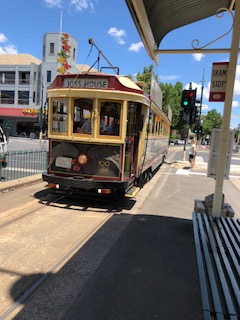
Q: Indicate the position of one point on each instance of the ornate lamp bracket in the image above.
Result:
(219, 14)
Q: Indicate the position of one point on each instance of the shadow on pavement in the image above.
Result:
(148, 271)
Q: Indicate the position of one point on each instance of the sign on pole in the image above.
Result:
(218, 81)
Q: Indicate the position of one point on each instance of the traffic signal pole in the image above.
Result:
(187, 103)
(185, 138)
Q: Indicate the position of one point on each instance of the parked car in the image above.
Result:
(177, 141)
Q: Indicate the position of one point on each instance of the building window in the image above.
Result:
(7, 77)
(44, 50)
(34, 96)
(7, 97)
(74, 54)
(24, 78)
(23, 97)
(49, 75)
(51, 47)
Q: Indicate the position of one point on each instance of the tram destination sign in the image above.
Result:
(218, 81)
(86, 83)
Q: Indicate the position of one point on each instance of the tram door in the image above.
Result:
(134, 126)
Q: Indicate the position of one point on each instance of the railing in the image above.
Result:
(21, 164)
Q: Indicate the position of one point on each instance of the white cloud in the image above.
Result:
(82, 4)
(8, 48)
(118, 35)
(136, 47)
(235, 104)
(237, 81)
(205, 107)
(198, 56)
(79, 5)
(3, 38)
(53, 3)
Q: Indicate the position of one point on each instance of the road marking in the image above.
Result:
(199, 159)
(182, 172)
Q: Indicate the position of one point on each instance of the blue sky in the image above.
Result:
(24, 22)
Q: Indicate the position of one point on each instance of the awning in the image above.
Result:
(18, 112)
(155, 18)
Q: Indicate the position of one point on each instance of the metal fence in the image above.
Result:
(21, 164)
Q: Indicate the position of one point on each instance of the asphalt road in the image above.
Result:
(20, 144)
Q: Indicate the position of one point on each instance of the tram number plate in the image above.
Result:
(63, 162)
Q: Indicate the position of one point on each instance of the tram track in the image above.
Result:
(54, 268)
(28, 291)
(20, 211)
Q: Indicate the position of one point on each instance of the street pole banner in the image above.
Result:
(218, 81)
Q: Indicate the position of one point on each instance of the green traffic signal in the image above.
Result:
(188, 98)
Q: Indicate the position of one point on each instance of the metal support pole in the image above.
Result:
(187, 130)
(222, 159)
(41, 112)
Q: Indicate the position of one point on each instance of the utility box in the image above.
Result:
(214, 153)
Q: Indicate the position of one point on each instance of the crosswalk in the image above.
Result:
(201, 169)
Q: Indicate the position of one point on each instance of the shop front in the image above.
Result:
(19, 121)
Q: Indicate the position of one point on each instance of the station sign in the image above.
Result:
(218, 81)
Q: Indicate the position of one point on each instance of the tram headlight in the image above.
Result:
(82, 159)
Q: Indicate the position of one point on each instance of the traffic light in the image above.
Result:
(183, 116)
(188, 99)
(194, 117)
(197, 129)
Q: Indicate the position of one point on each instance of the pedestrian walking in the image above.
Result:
(192, 152)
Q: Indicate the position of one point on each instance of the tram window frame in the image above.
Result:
(60, 108)
(131, 118)
(109, 118)
(82, 122)
(153, 124)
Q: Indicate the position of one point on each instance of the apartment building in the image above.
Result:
(24, 80)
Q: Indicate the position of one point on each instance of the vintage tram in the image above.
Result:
(106, 135)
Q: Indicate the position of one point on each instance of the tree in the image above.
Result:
(237, 133)
(212, 120)
(171, 95)
(172, 98)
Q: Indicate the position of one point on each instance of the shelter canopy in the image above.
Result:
(155, 18)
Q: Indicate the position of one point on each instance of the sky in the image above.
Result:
(23, 24)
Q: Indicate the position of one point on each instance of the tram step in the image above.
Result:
(132, 192)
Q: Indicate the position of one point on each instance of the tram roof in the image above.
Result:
(125, 81)
(155, 18)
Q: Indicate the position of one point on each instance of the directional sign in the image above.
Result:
(218, 81)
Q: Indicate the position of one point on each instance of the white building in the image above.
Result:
(24, 80)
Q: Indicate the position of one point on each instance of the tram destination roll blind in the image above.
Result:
(86, 83)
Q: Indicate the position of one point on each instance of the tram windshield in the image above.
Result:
(59, 115)
(83, 116)
(109, 118)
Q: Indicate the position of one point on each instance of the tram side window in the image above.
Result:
(131, 116)
(109, 118)
(59, 115)
(160, 127)
(83, 116)
(153, 123)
